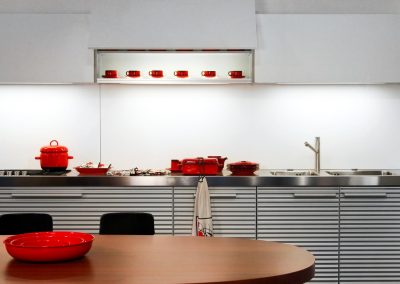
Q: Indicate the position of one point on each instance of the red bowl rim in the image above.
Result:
(86, 238)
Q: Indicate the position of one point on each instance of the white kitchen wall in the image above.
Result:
(327, 6)
(33, 115)
(262, 6)
(147, 125)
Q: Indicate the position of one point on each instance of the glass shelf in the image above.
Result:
(169, 61)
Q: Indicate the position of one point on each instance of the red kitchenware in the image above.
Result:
(133, 73)
(156, 73)
(221, 161)
(176, 166)
(110, 74)
(54, 157)
(243, 168)
(200, 166)
(209, 73)
(92, 171)
(181, 73)
(48, 246)
(236, 74)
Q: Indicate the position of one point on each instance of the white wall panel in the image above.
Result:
(142, 24)
(32, 115)
(146, 126)
(45, 48)
(327, 6)
(328, 49)
(44, 6)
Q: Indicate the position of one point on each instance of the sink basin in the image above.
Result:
(359, 173)
(294, 173)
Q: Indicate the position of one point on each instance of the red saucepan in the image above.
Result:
(54, 157)
(243, 168)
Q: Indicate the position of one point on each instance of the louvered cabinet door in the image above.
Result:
(369, 235)
(79, 209)
(305, 217)
(233, 211)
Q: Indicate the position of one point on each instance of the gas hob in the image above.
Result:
(15, 172)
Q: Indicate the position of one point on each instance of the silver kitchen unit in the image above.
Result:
(80, 208)
(303, 216)
(369, 235)
(233, 211)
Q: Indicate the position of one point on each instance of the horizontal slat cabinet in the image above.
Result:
(306, 217)
(369, 235)
(79, 209)
(233, 211)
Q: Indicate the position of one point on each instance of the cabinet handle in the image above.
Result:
(365, 195)
(221, 195)
(315, 195)
(45, 195)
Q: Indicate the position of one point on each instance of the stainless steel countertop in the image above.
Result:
(263, 178)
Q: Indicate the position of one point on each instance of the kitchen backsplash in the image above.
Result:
(148, 125)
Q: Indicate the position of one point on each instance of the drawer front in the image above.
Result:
(233, 211)
(75, 209)
(370, 235)
(306, 217)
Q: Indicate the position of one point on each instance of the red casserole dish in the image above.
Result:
(48, 246)
(200, 166)
(243, 168)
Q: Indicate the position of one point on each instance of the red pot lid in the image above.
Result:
(243, 163)
(53, 148)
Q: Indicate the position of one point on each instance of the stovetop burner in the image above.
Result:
(32, 173)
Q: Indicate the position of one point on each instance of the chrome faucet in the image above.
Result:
(317, 150)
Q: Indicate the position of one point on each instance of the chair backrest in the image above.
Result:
(127, 223)
(19, 223)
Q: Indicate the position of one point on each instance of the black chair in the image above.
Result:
(127, 223)
(19, 223)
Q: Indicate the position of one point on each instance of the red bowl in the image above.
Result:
(92, 171)
(48, 246)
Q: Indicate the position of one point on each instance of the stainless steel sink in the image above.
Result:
(294, 173)
(360, 173)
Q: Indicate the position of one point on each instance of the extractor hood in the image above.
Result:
(173, 24)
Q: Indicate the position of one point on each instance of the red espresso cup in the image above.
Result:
(209, 74)
(156, 73)
(181, 73)
(236, 74)
(133, 73)
(110, 74)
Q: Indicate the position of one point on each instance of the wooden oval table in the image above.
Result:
(122, 259)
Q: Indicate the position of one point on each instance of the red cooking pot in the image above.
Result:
(243, 168)
(54, 157)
